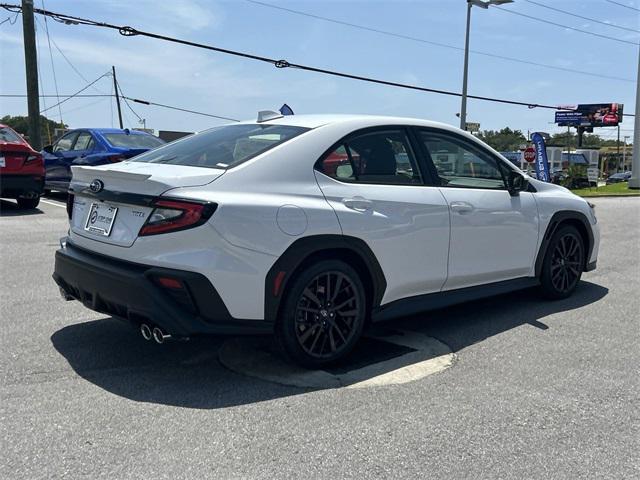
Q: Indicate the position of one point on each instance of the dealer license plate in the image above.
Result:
(100, 219)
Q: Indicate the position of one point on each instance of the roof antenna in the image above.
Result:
(266, 115)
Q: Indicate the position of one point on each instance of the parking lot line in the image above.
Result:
(49, 202)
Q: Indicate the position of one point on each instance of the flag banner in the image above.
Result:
(286, 110)
(542, 164)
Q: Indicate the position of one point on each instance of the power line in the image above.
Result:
(69, 61)
(8, 19)
(53, 68)
(75, 94)
(147, 102)
(430, 42)
(502, 9)
(126, 102)
(584, 18)
(128, 31)
(24, 95)
(623, 5)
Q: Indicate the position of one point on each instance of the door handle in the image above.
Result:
(461, 207)
(359, 204)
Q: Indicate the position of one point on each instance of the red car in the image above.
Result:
(21, 169)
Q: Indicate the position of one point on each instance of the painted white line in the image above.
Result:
(254, 357)
(49, 202)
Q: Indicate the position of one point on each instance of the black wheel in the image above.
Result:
(563, 263)
(28, 203)
(323, 314)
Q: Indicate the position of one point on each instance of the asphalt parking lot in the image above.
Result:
(538, 390)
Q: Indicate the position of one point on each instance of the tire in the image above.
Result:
(563, 263)
(310, 330)
(28, 203)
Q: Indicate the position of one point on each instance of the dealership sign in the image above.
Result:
(590, 115)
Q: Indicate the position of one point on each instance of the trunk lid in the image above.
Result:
(128, 188)
(13, 156)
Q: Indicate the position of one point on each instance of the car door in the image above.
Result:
(56, 162)
(493, 234)
(374, 185)
(83, 146)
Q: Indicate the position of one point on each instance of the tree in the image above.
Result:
(505, 140)
(21, 125)
(588, 141)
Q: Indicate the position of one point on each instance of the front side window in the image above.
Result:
(66, 142)
(84, 141)
(459, 163)
(222, 147)
(383, 157)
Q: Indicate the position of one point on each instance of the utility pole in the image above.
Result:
(31, 70)
(115, 88)
(618, 151)
(465, 74)
(634, 181)
(624, 151)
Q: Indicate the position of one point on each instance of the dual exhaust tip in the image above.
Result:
(155, 333)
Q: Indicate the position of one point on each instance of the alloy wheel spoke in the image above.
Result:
(312, 296)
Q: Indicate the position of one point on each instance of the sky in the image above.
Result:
(236, 87)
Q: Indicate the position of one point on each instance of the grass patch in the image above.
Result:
(618, 189)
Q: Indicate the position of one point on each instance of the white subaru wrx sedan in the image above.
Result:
(312, 227)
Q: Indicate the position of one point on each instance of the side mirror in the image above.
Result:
(516, 183)
(48, 149)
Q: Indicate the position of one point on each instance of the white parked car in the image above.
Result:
(311, 227)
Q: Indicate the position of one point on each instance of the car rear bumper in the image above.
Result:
(13, 186)
(133, 292)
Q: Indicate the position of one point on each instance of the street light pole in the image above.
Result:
(634, 181)
(465, 74)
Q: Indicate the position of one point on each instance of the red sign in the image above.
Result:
(530, 154)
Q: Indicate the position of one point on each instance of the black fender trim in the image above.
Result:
(556, 220)
(304, 248)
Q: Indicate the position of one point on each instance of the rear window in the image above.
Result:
(7, 135)
(222, 147)
(124, 140)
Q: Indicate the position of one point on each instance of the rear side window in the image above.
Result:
(222, 147)
(84, 142)
(382, 157)
(124, 140)
(7, 135)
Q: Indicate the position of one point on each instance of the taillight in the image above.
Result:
(173, 215)
(115, 158)
(32, 158)
(70, 198)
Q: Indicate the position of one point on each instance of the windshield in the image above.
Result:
(8, 135)
(222, 147)
(124, 140)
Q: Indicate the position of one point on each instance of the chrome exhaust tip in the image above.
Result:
(145, 330)
(159, 336)
(65, 296)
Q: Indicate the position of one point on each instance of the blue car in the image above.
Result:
(89, 147)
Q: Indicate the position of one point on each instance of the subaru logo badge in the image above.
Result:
(96, 186)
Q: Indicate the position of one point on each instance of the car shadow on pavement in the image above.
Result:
(11, 209)
(113, 356)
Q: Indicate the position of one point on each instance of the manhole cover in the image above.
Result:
(394, 358)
